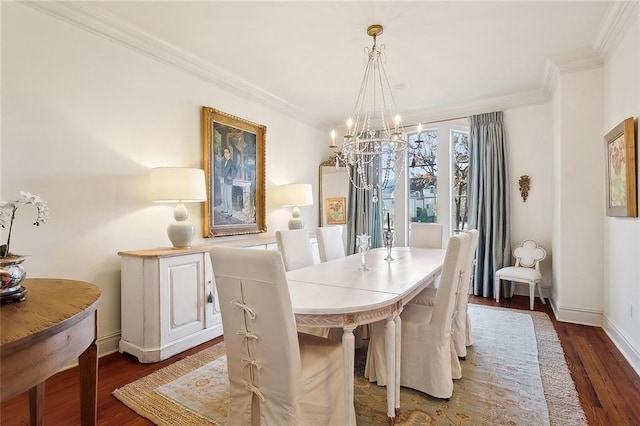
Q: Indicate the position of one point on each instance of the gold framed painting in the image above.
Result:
(336, 211)
(620, 149)
(234, 165)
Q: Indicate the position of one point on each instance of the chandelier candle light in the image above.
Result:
(373, 143)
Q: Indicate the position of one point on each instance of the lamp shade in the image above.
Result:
(296, 194)
(178, 184)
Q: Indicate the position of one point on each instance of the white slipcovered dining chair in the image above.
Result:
(295, 247)
(425, 235)
(330, 243)
(296, 250)
(526, 270)
(276, 376)
(462, 330)
(427, 356)
(330, 247)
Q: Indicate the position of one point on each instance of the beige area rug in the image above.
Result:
(514, 374)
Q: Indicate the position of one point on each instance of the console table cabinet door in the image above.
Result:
(183, 297)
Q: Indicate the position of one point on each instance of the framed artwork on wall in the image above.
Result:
(336, 211)
(234, 165)
(620, 151)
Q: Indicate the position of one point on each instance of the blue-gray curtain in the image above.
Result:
(488, 198)
(364, 215)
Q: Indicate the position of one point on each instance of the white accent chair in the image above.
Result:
(427, 355)
(276, 376)
(526, 270)
(330, 243)
(425, 235)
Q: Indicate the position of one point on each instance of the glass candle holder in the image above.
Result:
(388, 237)
(363, 241)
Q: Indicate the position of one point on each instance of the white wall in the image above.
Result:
(622, 235)
(580, 180)
(528, 132)
(84, 119)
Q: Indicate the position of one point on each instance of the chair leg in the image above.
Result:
(540, 291)
(496, 289)
(532, 295)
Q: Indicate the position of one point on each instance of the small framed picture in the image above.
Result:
(620, 149)
(336, 211)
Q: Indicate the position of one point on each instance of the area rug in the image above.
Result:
(514, 374)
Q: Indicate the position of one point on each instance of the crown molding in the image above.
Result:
(96, 21)
(498, 103)
(615, 24)
(103, 24)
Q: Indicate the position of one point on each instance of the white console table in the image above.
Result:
(168, 297)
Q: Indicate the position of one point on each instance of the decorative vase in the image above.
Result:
(11, 274)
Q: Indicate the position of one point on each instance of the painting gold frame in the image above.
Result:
(620, 149)
(336, 211)
(246, 143)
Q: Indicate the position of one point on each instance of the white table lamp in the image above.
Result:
(296, 194)
(179, 185)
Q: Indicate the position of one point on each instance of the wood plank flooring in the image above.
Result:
(608, 387)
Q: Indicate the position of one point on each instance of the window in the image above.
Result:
(436, 171)
(422, 175)
(460, 168)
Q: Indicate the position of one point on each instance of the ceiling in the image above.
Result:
(444, 58)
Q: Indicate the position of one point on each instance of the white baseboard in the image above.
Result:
(108, 344)
(624, 344)
(564, 313)
(577, 315)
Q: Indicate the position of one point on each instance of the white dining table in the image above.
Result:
(338, 294)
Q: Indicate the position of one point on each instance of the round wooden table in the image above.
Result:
(54, 326)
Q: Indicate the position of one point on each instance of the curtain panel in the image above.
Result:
(488, 198)
(365, 216)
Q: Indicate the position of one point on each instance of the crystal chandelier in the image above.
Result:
(373, 145)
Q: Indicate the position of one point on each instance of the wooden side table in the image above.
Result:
(56, 324)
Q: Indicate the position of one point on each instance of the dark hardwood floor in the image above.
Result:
(608, 387)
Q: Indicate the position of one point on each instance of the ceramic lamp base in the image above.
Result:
(181, 234)
(296, 221)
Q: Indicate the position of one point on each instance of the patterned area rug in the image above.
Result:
(514, 374)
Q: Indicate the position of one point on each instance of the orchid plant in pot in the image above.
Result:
(11, 272)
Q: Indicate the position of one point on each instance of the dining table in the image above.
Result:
(341, 293)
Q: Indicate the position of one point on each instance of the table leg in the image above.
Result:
(88, 370)
(398, 321)
(390, 354)
(36, 404)
(348, 353)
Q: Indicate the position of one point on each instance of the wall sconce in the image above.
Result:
(295, 194)
(525, 184)
(179, 185)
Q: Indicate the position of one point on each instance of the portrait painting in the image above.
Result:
(234, 157)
